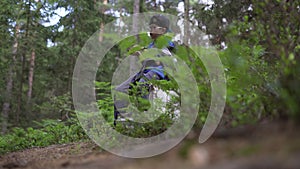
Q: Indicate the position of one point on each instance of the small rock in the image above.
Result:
(199, 156)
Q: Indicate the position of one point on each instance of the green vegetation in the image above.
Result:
(48, 132)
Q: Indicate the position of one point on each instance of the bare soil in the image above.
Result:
(264, 146)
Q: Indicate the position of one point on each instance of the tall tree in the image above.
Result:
(30, 75)
(9, 41)
(135, 31)
(187, 22)
(102, 22)
(36, 34)
(276, 25)
(81, 22)
(214, 18)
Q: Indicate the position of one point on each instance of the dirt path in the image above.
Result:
(251, 147)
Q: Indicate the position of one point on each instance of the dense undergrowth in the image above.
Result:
(48, 132)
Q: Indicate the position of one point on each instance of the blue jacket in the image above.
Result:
(149, 65)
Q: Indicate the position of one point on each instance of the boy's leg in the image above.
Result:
(119, 103)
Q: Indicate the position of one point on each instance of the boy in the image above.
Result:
(151, 69)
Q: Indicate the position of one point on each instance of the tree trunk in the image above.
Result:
(187, 35)
(31, 66)
(30, 76)
(102, 23)
(20, 92)
(135, 24)
(186, 23)
(135, 31)
(6, 105)
(23, 61)
(9, 84)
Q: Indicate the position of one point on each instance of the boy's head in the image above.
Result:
(159, 25)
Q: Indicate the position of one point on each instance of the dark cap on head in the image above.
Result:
(160, 20)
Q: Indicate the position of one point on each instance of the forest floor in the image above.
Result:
(264, 146)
